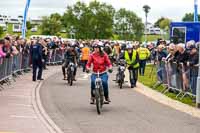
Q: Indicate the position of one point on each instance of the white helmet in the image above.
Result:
(81, 45)
(100, 44)
(129, 46)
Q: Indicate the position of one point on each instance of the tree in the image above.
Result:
(189, 17)
(165, 24)
(128, 25)
(1, 31)
(29, 25)
(51, 25)
(157, 23)
(89, 22)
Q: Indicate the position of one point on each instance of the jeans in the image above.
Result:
(142, 67)
(133, 73)
(37, 64)
(84, 62)
(104, 78)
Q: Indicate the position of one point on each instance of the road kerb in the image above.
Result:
(39, 109)
(160, 98)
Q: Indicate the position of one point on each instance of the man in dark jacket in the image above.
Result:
(36, 54)
(192, 63)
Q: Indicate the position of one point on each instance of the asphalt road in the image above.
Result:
(129, 111)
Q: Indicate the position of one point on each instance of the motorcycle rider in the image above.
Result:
(100, 61)
(70, 56)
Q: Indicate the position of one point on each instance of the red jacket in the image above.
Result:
(100, 63)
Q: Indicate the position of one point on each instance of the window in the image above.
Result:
(179, 34)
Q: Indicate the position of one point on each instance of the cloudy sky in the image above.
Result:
(174, 9)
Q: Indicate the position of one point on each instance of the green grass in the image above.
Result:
(151, 80)
(64, 35)
(155, 37)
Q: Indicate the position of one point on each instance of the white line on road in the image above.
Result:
(21, 96)
(26, 117)
(24, 105)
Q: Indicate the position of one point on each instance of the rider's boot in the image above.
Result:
(92, 100)
(107, 100)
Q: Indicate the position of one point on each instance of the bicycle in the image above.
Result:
(70, 73)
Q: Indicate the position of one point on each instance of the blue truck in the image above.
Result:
(184, 31)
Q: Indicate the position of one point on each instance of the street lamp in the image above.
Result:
(146, 9)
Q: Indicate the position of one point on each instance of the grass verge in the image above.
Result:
(150, 79)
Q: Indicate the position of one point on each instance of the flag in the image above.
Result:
(24, 18)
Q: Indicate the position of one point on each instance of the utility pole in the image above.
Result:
(195, 10)
(198, 79)
(198, 85)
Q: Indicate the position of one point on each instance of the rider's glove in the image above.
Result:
(87, 71)
(110, 70)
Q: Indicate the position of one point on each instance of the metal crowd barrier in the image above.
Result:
(178, 77)
(55, 56)
(13, 66)
(17, 64)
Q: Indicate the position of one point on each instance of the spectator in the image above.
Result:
(192, 63)
(182, 60)
(15, 49)
(2, 54)
(161, 55)
(7, 47)
(183, 56)
(44, 53)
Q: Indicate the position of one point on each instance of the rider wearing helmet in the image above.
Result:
(100, 62)
(132, 59)
(108, 48)
(71, 55)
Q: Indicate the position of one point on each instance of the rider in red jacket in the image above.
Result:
(101, 63)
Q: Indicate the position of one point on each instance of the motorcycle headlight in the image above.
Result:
(122, 68)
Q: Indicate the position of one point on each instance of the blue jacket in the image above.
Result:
(36, 52)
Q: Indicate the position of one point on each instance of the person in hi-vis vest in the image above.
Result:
(132, 59)
(85, 53)
(144, 55)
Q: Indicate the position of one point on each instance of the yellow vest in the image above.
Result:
(144, 53)
(131, 61)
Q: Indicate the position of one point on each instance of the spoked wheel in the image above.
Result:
(70, 78)
(101, 97)
(98, 101)
(120, 84)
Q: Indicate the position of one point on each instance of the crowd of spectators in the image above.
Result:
(186, 56)
(177, 64)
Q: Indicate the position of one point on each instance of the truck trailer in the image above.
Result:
(184, 31)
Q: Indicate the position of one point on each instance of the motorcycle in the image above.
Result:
(120, 76)
(70, 73)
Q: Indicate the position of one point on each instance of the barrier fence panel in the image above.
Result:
(179, 77)
(21, 62)
(55, 56)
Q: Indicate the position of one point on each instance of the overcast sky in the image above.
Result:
(174, 9)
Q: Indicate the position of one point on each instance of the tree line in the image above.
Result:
(95, 20)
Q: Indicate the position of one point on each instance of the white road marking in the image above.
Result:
(26, 117)
(21, 96)
(24, 105)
